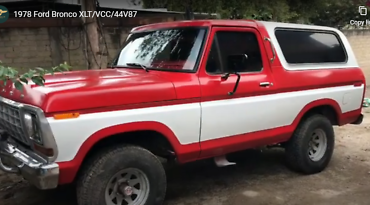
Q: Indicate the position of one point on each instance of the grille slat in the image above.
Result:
(10, 121)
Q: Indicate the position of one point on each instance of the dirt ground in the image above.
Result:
(259, 178)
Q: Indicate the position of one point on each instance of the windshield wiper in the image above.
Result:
(138, 65)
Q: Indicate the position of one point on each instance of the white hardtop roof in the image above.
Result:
(272, 25)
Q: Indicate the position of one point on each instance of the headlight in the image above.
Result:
(30, 122)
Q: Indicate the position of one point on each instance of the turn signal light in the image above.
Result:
(66, 115)
(46, 151)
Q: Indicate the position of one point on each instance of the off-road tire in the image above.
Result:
(96, 174)
(296, 149)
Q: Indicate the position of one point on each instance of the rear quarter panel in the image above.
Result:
(343, 83)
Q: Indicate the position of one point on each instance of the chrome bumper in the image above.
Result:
(40, 174)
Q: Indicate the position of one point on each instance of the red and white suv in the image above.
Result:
(184, 91)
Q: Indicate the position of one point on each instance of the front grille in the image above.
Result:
(10, 121)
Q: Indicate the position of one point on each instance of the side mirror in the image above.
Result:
(237, 62)
(234, 64)
(225, 76)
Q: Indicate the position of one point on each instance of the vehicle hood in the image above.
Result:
(81, 90)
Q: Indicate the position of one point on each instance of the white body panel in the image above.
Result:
(183, 120)
(215, 118)
(244, 115)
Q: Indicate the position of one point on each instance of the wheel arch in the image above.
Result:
(327, 107)
(109, 134)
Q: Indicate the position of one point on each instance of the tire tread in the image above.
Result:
(295, 157)
(92, 168)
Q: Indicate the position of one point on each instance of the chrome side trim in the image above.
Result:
(272, 49)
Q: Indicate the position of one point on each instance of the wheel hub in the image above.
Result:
(129, 186)
(317, 145)
(125, 190)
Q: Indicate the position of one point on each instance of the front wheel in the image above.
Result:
(126, 175)
(311, 147)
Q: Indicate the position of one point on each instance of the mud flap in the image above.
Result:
(358, 120)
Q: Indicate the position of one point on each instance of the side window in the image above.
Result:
(310, 47)
(234, 52)
(214, 62)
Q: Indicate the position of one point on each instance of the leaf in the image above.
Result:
(37, 80)
(40, 70)
(42, 79)
(32, 72)
(27, 75)
(62, 67)
(12, 72)
(23, 80)
(2, 70)
(35, 75)
(18, 85)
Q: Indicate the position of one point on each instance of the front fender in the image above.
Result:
(183, 152)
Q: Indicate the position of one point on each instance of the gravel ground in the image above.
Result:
(259, 178)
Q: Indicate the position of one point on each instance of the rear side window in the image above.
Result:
(310, 47)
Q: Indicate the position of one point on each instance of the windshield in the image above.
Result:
(169, 49)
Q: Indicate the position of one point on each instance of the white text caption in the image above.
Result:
(75, 14)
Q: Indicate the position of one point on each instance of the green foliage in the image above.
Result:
(252, 9)
(11, 75)
(338, 13)
(335, 13)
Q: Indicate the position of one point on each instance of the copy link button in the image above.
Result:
(362, 10)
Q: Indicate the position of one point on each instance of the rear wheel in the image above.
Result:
(311, 147)
(127, 175)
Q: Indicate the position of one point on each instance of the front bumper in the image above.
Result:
(40, 174)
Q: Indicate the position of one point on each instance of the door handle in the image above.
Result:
(265, 84)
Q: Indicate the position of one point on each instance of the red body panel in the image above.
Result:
(135, 88)
(118, 87)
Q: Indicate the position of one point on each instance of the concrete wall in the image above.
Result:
(44, 47)
(360, 42)
(28, 48)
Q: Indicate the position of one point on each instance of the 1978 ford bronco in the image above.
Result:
(183, 91)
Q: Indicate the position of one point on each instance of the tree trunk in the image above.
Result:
(92, 35)
(189, 15)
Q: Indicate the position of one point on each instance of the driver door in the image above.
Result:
(228, 120)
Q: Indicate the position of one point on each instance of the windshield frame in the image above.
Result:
(197, 62)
